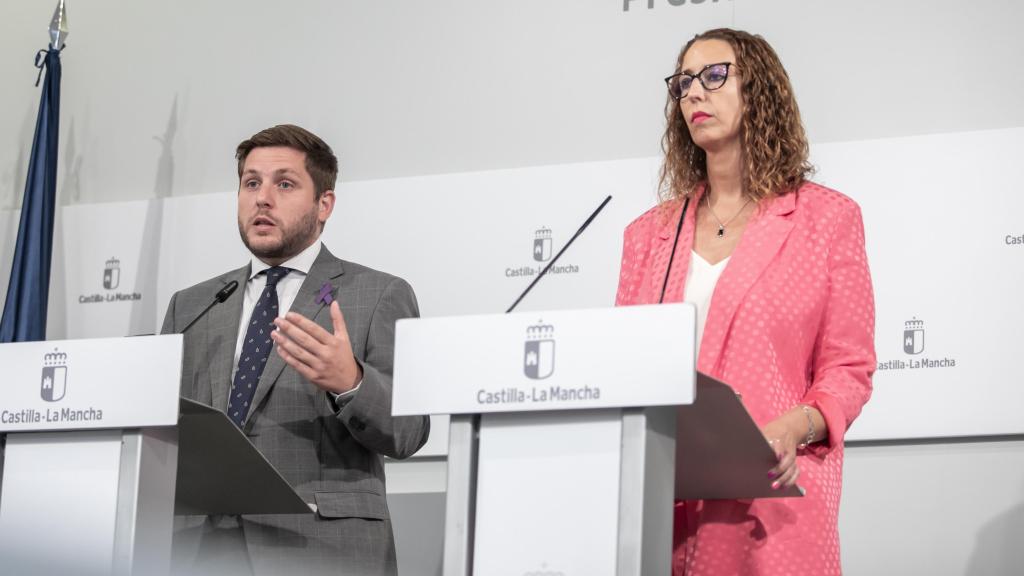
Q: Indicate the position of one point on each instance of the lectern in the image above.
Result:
(101, 453)
(562, 454)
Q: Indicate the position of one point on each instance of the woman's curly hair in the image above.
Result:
(775, 147)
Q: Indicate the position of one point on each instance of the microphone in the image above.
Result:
(221, 296)
(672, 257)
(557, 256)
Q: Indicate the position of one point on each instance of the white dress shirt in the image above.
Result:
(287, 290)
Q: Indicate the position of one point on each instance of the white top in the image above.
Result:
(701, 279)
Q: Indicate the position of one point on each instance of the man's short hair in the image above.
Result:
(321, 163)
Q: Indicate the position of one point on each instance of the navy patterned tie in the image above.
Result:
(255, 348)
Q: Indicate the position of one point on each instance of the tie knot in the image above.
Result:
(275, 274)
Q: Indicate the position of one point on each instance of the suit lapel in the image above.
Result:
(680, 264)
(761, 242)
(308, 303)
(224, 322)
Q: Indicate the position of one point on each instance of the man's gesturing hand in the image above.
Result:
(323, 358)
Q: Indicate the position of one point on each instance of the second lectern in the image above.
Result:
(562, 454)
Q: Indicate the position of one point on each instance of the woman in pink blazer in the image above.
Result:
(777, 268)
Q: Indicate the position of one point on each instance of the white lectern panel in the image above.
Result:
(46, 535)
(556, 360)
(549, 484)
(77, 500)
(81, 384)
(565, 464)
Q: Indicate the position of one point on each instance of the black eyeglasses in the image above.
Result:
(712, 77)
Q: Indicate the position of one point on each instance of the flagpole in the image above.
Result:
(24, 315)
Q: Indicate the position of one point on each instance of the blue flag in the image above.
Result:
(24, 318)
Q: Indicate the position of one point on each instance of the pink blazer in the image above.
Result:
(791, 321)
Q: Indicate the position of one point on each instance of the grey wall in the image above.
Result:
(157, 94)
(937, 507)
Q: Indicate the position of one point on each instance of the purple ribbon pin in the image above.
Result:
(325, 294)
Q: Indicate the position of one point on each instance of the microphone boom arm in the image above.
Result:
(557, 256)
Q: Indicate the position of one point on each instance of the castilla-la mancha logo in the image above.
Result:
(539, 352)
(542, 245)
(543, 254)
(112, 274)
(54, 382)
(913, 336)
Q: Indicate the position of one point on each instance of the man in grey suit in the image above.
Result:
(300, 359)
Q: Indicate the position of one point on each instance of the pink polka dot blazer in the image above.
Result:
(791, 321)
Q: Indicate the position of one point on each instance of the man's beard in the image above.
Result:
(293, 240)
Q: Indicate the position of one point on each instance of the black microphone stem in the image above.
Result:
(221, 296)
(201, 314)
(557, 256)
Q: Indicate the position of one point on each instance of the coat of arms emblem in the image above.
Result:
(542, 245)
(54, 382)
(913, 336)
(539, 351)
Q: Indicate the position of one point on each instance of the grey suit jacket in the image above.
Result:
(330, 454)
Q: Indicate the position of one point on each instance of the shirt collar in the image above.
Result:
(301, 262)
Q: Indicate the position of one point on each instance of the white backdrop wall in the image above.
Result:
(465, 241)
(465, 127)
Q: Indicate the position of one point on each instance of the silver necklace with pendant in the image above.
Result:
(722, 225)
